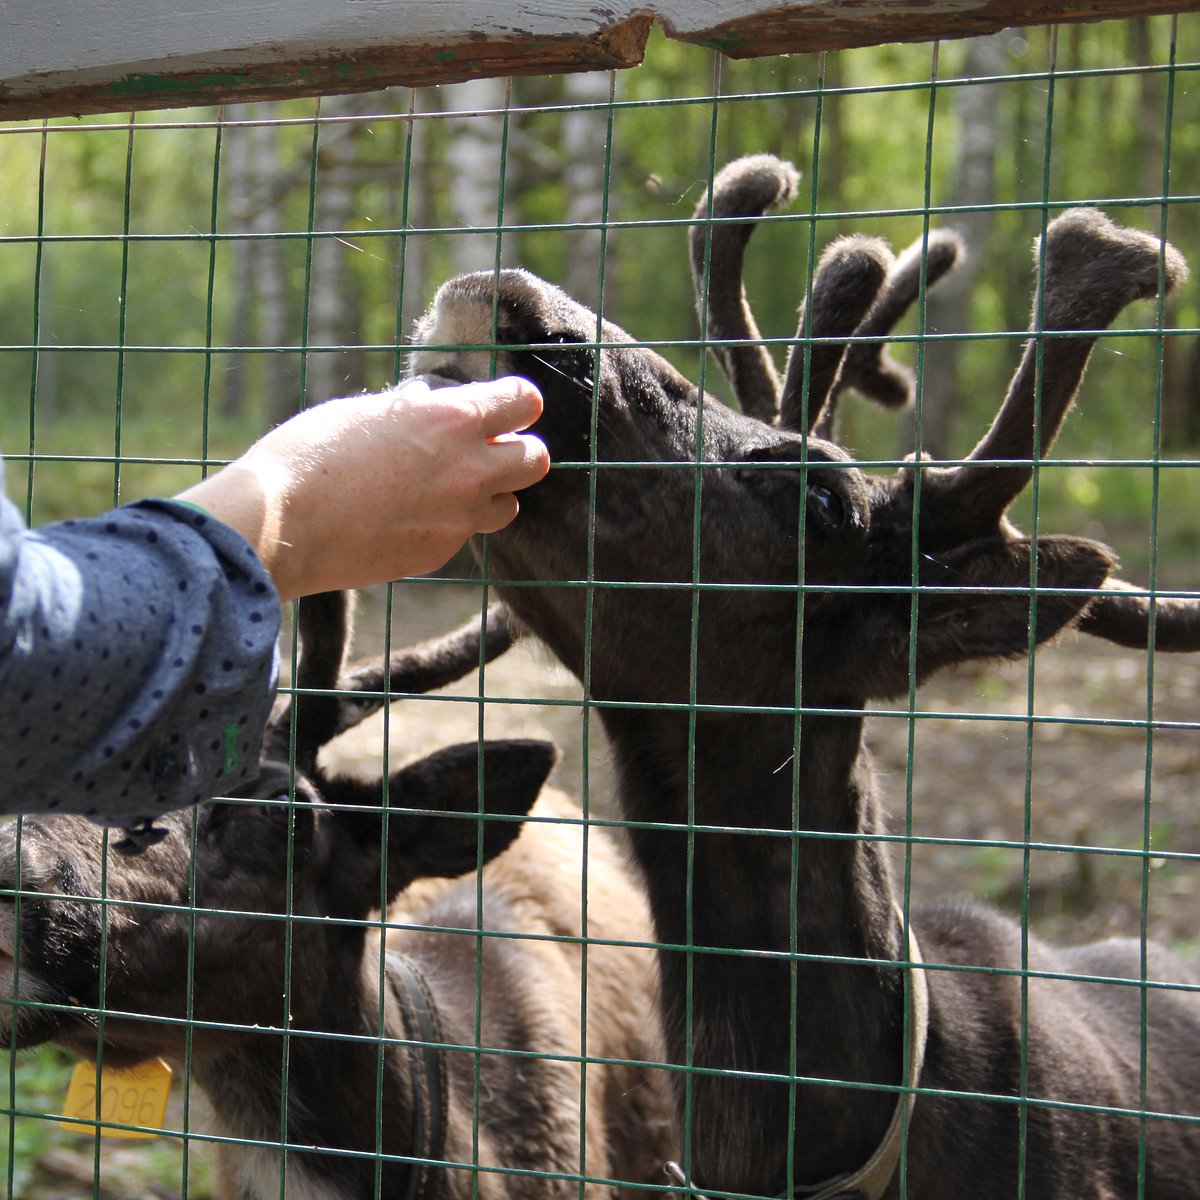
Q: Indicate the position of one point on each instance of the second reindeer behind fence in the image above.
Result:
(443, 1062)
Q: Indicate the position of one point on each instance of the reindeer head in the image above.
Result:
(668, 500)
(194, 927)
(653, 434)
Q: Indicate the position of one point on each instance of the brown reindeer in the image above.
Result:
(751, 592)
(359, 1054)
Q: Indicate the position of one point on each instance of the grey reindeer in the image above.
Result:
(788, 957)
(195, 945)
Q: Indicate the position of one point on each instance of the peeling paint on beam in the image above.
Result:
(841, 25)
(119, 55)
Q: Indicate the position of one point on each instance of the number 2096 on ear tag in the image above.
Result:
(134, 1096)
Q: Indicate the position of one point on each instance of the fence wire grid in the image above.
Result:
(176, 283)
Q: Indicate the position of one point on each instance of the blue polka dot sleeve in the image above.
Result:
(137, 662)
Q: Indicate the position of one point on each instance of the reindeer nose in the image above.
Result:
(826, 508)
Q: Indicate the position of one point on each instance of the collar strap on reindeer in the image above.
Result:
(871, 1180)
(423, 1029)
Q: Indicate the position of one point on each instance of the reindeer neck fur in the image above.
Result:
(331, 1095)
(744, 892)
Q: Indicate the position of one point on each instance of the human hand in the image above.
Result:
(373, 487)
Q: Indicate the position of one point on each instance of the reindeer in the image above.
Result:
(384, 1080)
(751, 592)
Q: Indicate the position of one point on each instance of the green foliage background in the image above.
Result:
(107, 264)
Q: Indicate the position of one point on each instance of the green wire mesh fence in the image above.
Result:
(173, 284)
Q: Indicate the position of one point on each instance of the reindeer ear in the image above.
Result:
(970, 622)
(421, 844)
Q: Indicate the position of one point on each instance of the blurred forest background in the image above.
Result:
(172, 286)
(174, 283)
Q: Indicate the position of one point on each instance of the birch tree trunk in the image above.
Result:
(473, 158)
(584, 133)
(411, 208)
(333, 311)
(281, 371)
(974, 178)
(255, 185)
(238, 190)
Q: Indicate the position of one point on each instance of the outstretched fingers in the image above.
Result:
(507, 405)
(510, 459)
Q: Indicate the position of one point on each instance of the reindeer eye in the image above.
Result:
(826, 508)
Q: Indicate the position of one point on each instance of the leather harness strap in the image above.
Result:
(871, 1181)
(429, 1094)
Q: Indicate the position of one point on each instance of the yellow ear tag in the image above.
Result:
(135, 1096)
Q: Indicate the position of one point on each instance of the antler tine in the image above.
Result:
(431, 664)
(748, 187)
(323, 625)
(868, 368)
(1125, 619)
(847, 282)
(324, 622)
(1093, 269)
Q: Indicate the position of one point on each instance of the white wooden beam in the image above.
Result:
(59, 57)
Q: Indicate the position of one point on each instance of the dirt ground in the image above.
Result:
(981, 773)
